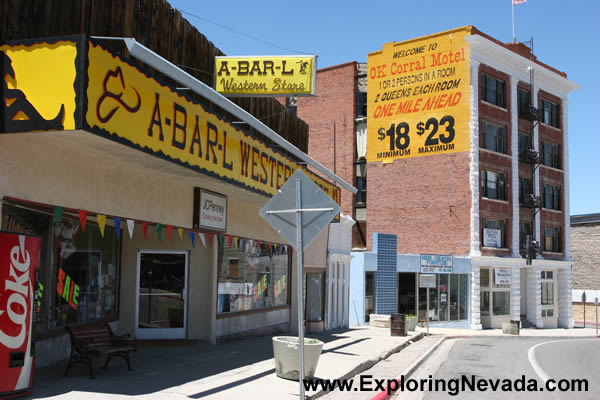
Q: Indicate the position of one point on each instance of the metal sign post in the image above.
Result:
(427, 318)
(284, 212)
(583, 299)
(300, 285)
(596, 316)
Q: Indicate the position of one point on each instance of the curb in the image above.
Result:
(415, 364)
(365, 365)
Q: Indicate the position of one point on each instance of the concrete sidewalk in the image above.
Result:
(234, 370)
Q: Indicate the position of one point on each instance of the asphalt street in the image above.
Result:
(510, 358)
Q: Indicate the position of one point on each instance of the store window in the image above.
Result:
(79, 270)
(369, 294)
(547, 293)
(448, 301)
(549, 113)
(314, 296)
(552, 239)
(493, 184)
(493, 137)
(252, 276)
(550, 155)
(492, 90)
(495, 291)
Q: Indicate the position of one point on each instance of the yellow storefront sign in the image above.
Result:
(129, 106)
(418, 97)
(265, 76)
(38, 86)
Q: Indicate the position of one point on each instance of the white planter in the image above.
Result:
(379, 320)
(285, 350)
(410, 323)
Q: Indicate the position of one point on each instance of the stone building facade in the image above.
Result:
(585, 250)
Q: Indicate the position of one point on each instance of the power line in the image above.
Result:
(241, 33)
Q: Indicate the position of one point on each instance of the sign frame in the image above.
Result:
(425, 281)
(200, 197)
(445, 269)
(313, 73)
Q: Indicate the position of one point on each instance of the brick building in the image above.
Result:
(503, 178)
(585, 250)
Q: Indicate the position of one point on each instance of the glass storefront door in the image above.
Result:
(162, 294)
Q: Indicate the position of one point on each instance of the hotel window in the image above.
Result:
(492, 90)
(549, 113)
(497, 224)
(551, 197)
(525, 190)
(524, 231)
(552, 239)
(493, 137)
(78, 278)
(361, 104)
(360, 179)
(523, 102)
(493, 184)
(550, 155)
(252, 276)
(524, 144)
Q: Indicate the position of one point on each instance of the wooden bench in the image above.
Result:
(92, 341)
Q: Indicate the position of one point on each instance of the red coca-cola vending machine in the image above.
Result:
(19, 261)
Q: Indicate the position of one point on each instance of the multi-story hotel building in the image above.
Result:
(458, 144)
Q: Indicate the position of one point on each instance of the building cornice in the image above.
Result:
(495, 55)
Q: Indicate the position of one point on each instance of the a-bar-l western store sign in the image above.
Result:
(266, 76)
(72, 84)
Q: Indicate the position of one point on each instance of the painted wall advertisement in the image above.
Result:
(418, 97)
(265, 76)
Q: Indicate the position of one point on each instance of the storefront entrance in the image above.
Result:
(406, 293)
(448, 302)
(162, 294)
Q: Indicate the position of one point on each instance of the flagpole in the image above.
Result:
(513, 19)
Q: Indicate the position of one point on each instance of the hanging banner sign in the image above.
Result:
(418, 98)
(279, 76)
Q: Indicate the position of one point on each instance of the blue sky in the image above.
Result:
(566, 36)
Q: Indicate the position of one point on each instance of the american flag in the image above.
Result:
(515, 2)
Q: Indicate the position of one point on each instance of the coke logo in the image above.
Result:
(18, 288)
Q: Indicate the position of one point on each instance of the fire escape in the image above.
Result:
(533, 247)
